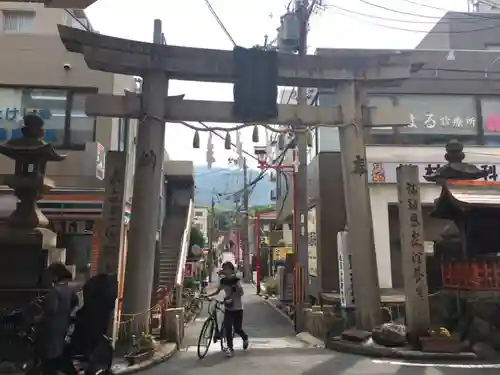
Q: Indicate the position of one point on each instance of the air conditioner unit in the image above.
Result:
(273, 196)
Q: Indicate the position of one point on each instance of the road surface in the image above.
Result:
(274, 350)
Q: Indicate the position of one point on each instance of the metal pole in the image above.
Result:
(145, 209)
(258, 251)
(211, 240)
(247, 270)
(302, 208)
(360, 241)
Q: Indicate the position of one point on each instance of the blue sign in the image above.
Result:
(14, 114)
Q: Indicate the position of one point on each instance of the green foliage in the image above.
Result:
(196, 238)
(262, 209)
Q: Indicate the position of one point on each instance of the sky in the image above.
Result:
(190, 24)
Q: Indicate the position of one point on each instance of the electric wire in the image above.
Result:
(469, 14)
(384, 18)
(78, 20)
(219, 21)
(353, 16)
(402, 12)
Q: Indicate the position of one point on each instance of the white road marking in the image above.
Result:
(448, 365)
(268, 343)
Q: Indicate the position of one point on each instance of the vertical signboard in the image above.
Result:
(312, 243)
(111, 257)
(412, 247)
(113, 216)
(345, 272)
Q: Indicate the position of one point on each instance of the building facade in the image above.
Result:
(454, 96)
(38, 74)
(201, 220)
(451, 97)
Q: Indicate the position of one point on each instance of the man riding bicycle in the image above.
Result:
(233, 315)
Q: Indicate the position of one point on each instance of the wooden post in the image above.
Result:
(412, 249)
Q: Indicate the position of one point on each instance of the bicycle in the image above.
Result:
(210, 330)
(193, 305)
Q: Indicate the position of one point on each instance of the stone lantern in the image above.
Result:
(455, 169)
(24, 237)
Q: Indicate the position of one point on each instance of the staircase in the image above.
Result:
(172, 233)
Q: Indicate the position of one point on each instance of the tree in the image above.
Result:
(196, 238)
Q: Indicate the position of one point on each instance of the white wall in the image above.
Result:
(381, 195)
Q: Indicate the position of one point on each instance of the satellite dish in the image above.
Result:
(196, 250)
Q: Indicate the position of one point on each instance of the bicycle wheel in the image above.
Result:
(205, 338)
(196, 306)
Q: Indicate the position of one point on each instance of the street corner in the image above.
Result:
(310, 340)
(164, 352)
(369, 349)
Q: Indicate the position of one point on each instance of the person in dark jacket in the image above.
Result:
(54, 323)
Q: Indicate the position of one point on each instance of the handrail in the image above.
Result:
(179, 278)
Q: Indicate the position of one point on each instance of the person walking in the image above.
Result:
(53, 324)
(233, 314)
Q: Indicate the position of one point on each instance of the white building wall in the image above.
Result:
(383, 194)
(200, 220)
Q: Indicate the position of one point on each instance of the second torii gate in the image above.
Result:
(348, 71)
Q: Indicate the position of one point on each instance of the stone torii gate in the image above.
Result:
(348, 71)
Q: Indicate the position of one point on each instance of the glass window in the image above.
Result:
(18, 21)
(51, 106)
(81, 126)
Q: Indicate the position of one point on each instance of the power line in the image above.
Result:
(416, 30)
(78, 20)
(392, 10)
(385, 18)
(214, 13)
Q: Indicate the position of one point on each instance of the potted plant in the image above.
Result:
(440, 341)
(142, 349)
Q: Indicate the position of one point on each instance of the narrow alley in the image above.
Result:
(274, 350)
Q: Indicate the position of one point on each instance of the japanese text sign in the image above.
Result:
(412, 247)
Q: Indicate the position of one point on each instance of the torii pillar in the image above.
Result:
(139, 269)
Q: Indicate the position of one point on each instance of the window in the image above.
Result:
(51, 105)
(81, 127)
(66, 124)
(198, 213)
(123, 134)
(18, 21)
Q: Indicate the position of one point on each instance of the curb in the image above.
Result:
(148, 364)
(309, 339)
(382, 352)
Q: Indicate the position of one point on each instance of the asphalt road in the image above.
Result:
(274, 350)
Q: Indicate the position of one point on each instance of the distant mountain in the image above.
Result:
(226, 181)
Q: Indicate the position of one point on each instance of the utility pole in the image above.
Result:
(302, 209)
(244, 226)
(144, 218)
